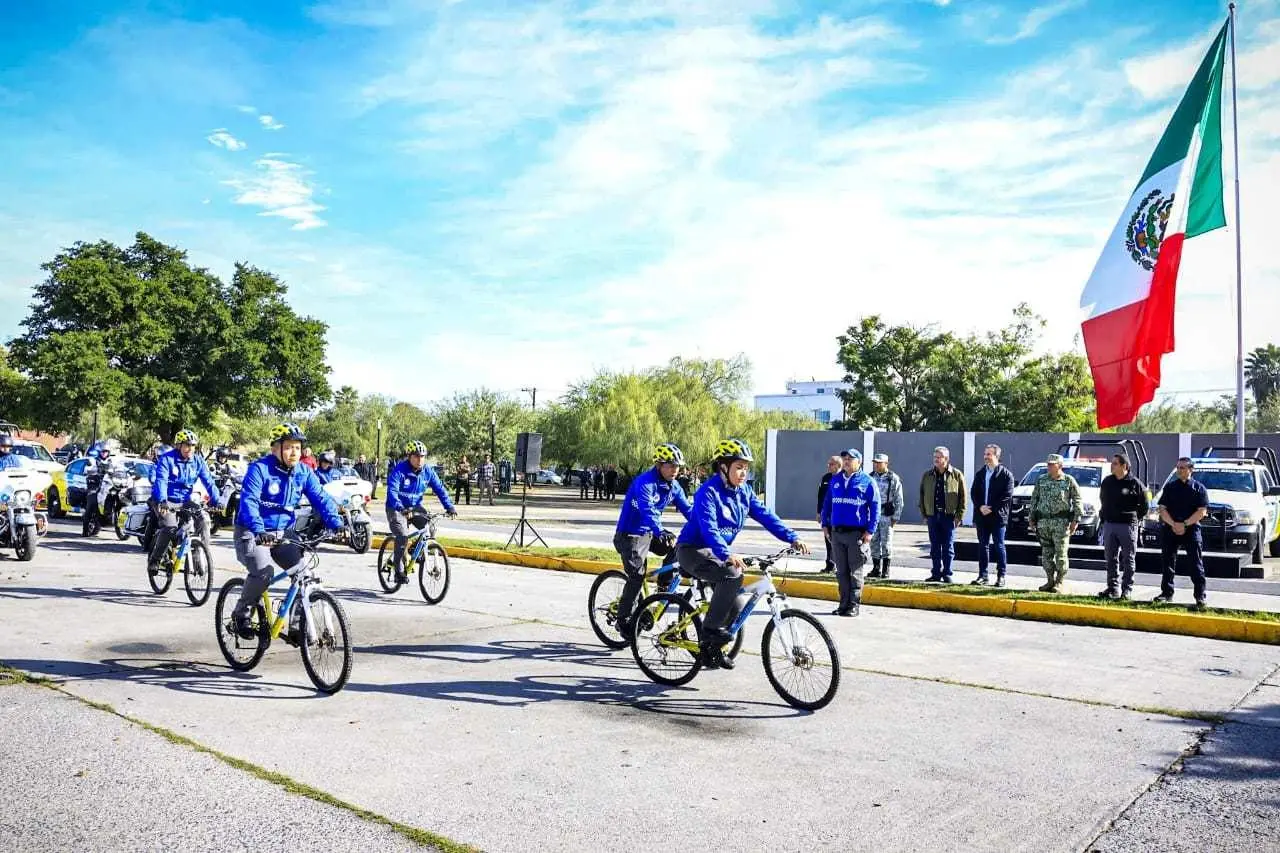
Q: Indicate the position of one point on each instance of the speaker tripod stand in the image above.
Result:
(524, 524)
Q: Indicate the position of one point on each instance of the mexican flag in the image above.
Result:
(1130, 295)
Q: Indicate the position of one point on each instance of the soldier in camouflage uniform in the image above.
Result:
(1056, 507)
(892, 503)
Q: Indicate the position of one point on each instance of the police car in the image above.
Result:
(1244, 503)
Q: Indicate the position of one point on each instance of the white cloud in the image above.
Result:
(223, 139)
(248, 110)
(269, 122)
(1033, 21)
(280, 188)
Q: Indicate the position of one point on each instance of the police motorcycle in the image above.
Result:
(107, 491)
(21, 524)
(351, 494)
(133, 516)
(229, 482)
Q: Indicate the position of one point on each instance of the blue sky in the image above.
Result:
(514, 194)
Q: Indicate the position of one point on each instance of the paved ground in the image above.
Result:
(495, 719)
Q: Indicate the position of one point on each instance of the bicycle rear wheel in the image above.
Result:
(328, 659)
(386, 565)
(602, 608)
(433, 573)
(242, 655)
(801, 660)
(664, 640)
(197, 575)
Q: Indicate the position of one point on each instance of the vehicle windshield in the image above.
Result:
(33, 451)
(1227, 480)
(139, 468)
(1086, 477)
(345, 471)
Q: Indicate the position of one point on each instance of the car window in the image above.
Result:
(33, 451)
(1227, 480)
(77, 467)
(1086, 476)
(1267, 482)
(139, 468)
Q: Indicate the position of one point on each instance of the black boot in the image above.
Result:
(875, 568)
(884, 568)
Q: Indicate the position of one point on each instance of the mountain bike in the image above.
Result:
(606, 592)
(796, 649)
(423, 554)
(188, 556)
(308, 617)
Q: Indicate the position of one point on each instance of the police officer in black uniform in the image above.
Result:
(833, 466)
(1184, 501)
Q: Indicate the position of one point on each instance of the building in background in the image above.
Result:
(818, 400)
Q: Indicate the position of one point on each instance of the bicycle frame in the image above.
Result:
(763, 588)
(297, 583)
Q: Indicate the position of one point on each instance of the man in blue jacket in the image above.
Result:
(720, 509)
(269, 496)
(850, 514)
(8, 459)
(992, 496)
(172, 482)
(639, 527)
(325, 471)
(407, 484)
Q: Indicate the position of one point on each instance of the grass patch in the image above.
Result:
(418, 836)
(9, 675)
(606, 555)
(1035, 595)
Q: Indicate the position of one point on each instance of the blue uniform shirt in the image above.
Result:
(406, 487)
(852, 501)
(174, 477)
(327, 477)
(269, 496)
(646, 498)
(1182, 499)
(720, 511)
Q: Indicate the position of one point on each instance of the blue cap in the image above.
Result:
(852, 453)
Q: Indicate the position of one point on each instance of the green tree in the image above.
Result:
(890, 369)
(141, 331)
(1189, 416)
(1262, 373)
(13, 392)
(461, 424)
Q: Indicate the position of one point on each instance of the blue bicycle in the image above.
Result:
(423, 554)
(188, 556)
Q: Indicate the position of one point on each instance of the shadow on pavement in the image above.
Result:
(574, 653)
(365, 596)
(185, 676)
(130, 597)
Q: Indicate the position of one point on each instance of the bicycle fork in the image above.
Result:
(287, 603)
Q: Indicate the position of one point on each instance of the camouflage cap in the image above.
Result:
(1054, 459)
(880, 457)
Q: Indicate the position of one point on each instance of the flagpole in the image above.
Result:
(1235, 142)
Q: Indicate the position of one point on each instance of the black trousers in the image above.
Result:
(1190, 542)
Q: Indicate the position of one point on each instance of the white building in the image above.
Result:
(819, 400)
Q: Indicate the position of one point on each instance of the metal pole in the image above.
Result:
(493, 437)
(1235, 144)
(377, 459)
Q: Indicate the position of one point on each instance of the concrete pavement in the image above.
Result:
(496, 720)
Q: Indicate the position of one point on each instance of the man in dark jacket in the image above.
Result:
(992, 496)
(833, 465)
(1124, 503)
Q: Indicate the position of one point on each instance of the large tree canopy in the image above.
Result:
(909, 378)
(140, 331)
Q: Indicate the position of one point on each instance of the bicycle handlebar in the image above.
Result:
(766, 562)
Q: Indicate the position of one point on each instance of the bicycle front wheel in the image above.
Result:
(602, 608)
(666, 638)
(162, 579)
(387, 565)
(197, 575)
(242, 655)
(328, 657)
(801, 660)
(433, 573)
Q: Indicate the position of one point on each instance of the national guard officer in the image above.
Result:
(1056, 507)
(889, 485)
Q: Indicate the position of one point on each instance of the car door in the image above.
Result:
(76, 483)
(1272, 503)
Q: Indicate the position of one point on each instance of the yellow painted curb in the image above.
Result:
(1153, 620)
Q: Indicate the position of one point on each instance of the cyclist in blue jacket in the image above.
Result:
(8, 459)
(720, 509)
(407, 485)
(269, 495)
(325, 471)
(173, 481)
(640, 530)
(850, 513)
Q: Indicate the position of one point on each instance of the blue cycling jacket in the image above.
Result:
(407, 486)
(719, 513)
(174, 477)
(270, 493)
(852, 500)
(646, 498)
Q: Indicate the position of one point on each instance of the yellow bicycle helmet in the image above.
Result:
(287, 432)
(667, 453)
(186, 436)
(731, 449)
(415, 447)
